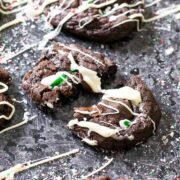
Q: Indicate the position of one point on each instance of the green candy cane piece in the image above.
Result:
(125, 123)
(74, 70)
(58, 81)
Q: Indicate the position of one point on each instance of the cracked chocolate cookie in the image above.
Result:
(7, 109)
(99, 20)
(125, 117)
(61, 71)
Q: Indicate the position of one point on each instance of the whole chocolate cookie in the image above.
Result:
(99, 20)
(125, 117)
(61, 71)
(7, 109)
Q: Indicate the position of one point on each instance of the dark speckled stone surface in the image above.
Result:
(144, 54)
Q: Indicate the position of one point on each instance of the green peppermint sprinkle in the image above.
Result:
(58, 81)
(125, 123)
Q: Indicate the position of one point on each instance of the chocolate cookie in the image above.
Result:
(62, 70)
(99, 20)
(125, 117)
(7, 109)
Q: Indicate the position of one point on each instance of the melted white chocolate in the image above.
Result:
(89, 76)
(94, 127)
(124, 93)
(90, 142)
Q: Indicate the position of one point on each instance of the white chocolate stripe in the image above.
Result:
(60, 10)
(13, 5)
(81, 52)
(123, 5)
(129, 20)
(127, 107)
(109, 107)
(152, 3)
(85, 112)
(14, 126)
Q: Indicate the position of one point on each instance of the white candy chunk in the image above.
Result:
(94, 127)
(123, 93)
(89, 76)
(47, 81)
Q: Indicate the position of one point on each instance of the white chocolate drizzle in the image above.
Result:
(85, 112)
(80, 9)
(152, 3)
(11, 23)
(10, 173)
(12, 110)
(94, 127)
(81, 52)
(14, 126)
(13, 4)
(89, 76)
(90, 142)
(123, 93)
(99, 169)
(4, 89)
(4, 60)
(109, 107)
(123, 104)
(28, 10)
